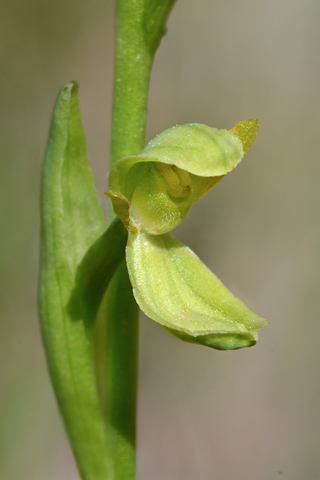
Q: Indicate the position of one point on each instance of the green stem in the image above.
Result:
(139, 28)
(140, 25)
(131, 85)
(122, 363)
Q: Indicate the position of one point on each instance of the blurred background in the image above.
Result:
(203, 414)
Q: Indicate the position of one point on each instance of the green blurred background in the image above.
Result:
(203, 414)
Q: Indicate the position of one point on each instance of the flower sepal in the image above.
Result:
(155, 190)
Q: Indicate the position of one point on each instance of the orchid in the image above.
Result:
(94, 274)
(152, 193)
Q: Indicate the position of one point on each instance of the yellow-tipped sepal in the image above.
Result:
(173, 171)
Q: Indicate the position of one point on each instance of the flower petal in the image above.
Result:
(173, 287)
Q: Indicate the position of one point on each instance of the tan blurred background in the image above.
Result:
(243, 415)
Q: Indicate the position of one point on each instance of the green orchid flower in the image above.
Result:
(152, 193)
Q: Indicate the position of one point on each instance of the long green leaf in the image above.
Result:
(71, 220)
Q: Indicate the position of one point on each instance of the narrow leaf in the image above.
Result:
(71, 220)
(173, 287)
(96, 270)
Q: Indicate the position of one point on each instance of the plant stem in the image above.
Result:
(140, 24)
(122, 364)
(132, 73)
(131, 84)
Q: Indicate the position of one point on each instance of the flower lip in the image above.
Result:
(174, 288)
